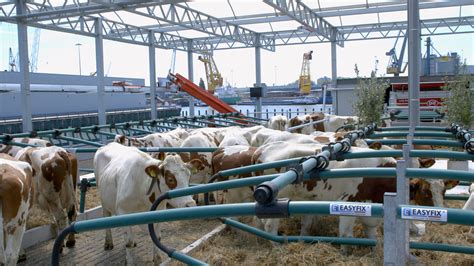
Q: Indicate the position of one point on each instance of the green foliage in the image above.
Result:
(460, 103)
(370, 98)
(202, 84)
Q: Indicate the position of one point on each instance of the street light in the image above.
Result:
(275, 76)
(79, 52)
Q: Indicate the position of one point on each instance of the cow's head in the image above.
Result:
(430, 192)
(173, 173)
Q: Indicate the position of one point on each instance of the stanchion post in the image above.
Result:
(390, 248)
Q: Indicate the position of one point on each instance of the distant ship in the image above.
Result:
(227, 94)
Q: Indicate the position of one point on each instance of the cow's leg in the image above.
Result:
(346, 225)
(59, 216)
(370, 228)
(130, 245)
(71, 216)
(109, 244)
(13, 234)
(306, 223)
(13, 245)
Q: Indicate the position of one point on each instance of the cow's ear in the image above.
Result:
(152, 171)
(375, 146)
(122, 139)
(161, 156)
(414, 185)
(449, 184)
(426, 162)
(195, 165)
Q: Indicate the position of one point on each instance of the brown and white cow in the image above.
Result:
(424, 192)
(13, 150)
(278, 122)
(201, 160)
(126, 179)
(16, 197)
(55, 182)
(331, 122)
(231, 157)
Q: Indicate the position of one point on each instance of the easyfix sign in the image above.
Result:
(423, 102)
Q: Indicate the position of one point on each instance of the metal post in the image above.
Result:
(401, 228)
(190, 75)
(79, 55)
(258, 78)
(24, 69)
(390, 249)
(414, 64)
(334, 73)
(151, 58)
(99, 59)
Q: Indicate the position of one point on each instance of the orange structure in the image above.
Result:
(198, 93)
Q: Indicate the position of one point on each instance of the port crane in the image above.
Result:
(214, 78)
(305, 76)
(395, 62)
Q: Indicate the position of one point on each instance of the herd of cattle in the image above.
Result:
(130, 180)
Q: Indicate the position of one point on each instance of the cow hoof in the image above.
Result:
(70, 243)
(131, 244)
(108, 246)
(21, 258)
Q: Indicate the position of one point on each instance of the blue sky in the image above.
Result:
(59, 54)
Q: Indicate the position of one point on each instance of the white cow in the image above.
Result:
(278, 122)
(13, 150)
(125, 175)
(16, 197)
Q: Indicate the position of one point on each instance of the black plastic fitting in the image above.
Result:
(469, 145)
(84, 185)
(298, 170)
(275, 209)
(265, 193)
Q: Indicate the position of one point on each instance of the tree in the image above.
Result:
(202, 84)
(370, 98)
(460, 103)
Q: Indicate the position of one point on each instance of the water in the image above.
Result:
(268, 110)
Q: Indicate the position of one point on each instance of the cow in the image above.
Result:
(331, 123)
(424, 192)
(172, 138)
(13, 150)
(201, 160)
(16, 197)
(278, 122)
(126, 179)
(231, 157)
(55, 182)
(470, 205)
